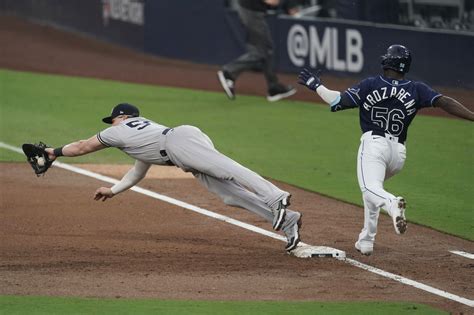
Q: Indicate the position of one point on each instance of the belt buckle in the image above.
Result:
(390, 137)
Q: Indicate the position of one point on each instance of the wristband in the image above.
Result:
(58, 152)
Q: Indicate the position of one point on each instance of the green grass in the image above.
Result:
(295, 142)
(56, 305)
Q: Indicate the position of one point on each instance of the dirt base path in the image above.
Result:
(57, 241)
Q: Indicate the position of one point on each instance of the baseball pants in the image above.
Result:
(193, 151)
(378, 159)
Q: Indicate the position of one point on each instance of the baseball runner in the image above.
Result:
(190, 149)
(387, 105)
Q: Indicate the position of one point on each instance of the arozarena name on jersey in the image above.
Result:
(376, 96)
(323, 48)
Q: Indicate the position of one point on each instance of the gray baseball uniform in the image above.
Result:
(190, 149)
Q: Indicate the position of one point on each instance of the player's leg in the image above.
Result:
(398, 206)
(371, 170)
(365, 243)
(191, 149)
(233, 194)
(397, 161)
(378, 159)
(372, 161)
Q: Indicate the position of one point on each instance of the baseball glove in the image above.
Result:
(37, 157)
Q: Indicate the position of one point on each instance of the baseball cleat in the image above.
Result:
(291, 229)
(364, 250)
(280, 91)
(398, 216)
(227, 83)
(280, 213)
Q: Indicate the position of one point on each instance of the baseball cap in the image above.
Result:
(122, 109)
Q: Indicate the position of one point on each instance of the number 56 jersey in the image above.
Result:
(387, 105)
(140, 138)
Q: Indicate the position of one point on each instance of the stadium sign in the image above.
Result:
(129, 11)
(321, 47)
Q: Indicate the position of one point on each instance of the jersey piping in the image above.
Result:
(399, 84)
(102, 141)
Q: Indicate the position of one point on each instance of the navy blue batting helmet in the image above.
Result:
(397, 58)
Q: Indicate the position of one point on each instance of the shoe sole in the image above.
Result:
(278, 97)
(281, 215)
(297, 238)
(222, 80)
(401, 222)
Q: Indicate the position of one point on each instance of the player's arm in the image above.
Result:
(133, 176)
(335, 99)
(77, 148)
(453, 107)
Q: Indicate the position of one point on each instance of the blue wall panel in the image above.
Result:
(205, 31)
(438, 58)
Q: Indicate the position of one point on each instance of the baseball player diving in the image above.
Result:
(190, 149)
(387, 105)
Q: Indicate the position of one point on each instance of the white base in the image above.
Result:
(307, 251)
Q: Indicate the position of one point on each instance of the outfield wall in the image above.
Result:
(92, 17)
(205, 31)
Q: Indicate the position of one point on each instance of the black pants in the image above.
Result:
(259, 55)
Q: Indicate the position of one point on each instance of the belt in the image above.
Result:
(387, 135)
(163, 152)
(166, 131)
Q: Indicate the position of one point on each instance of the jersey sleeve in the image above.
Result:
(110, 137)
(426, 95)
(353, 96)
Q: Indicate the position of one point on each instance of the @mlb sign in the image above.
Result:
(320, 48)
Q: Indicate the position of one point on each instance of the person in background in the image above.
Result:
(259, 55)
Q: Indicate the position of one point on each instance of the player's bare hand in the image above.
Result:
(103, 193)
(50, 152)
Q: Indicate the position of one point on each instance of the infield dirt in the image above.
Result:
(56, 240)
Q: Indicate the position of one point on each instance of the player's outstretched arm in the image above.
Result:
(313, 82)
(450, 105)
(77, 148)
(133, 176)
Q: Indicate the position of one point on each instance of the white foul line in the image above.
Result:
(461, 253)
(412, 283)
(253, 228)
(160, 197)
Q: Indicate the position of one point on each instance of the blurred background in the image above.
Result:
(425, 14)
(342, 37)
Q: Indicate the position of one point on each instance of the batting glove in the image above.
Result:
(309, 79)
